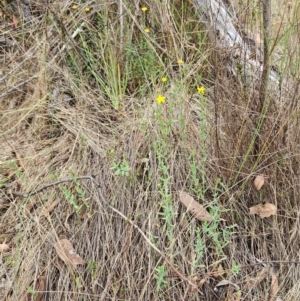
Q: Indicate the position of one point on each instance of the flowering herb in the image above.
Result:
(160, 99)
(201, 90)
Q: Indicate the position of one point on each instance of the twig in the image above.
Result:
(33, 192)
(266, 64)
(121, 24)
(102, 199)
(263, 105)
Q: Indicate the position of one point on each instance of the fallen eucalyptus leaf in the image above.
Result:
(226, 282)
(259, 181)
(274, 284)
(66, 253)
(196, 209)
(263, 210)
(49, 208)
(4, 247)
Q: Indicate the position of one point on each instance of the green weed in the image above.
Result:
(31, 291)
(75, 199)
(121, 168)
(235, 268)
(160, 277)
(92, 265)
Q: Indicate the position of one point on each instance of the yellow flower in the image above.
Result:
(180, 61)
(144, 9)
(160, 99)
(147, 30)
(164, 79)
(201, 90)
(87, 9)
(75, 6)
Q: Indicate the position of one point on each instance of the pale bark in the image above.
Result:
(231, 41)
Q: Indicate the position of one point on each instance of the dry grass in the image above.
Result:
(78, 105)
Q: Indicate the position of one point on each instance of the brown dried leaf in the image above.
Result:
(4, 247)
(263, 210)
(226, 282)
(138, 139)
(198, 283)
(194, 207)
(48, 208)
(20, 161)
(259, 182)
(254, 281)
(39, 288)
(201, 282)
(29, 206)
(66, 223)
(66, 253)
(274, 285)
(221, 270)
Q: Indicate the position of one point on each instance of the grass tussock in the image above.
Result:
(136, 95)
